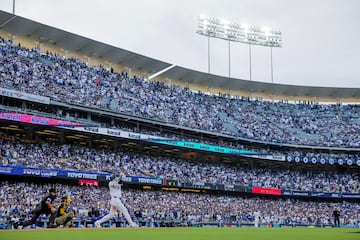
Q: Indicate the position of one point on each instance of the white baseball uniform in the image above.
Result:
(256, 218)
(116, 204)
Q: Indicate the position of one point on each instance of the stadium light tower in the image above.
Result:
(243, 33)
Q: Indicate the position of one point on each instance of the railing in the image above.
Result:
(150, 223)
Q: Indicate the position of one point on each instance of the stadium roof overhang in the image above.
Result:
(19, 26)
(215, 81)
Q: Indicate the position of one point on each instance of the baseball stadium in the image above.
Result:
(99, 142)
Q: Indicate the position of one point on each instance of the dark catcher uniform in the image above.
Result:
(63, 215)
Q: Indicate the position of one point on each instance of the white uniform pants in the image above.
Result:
(116, 205)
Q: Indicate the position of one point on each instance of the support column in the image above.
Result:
(40, 46)
(13, 11)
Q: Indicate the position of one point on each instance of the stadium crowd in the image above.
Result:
(71, 80)
(79, 158)
(262, 152)
(301, 154)
(20, 198)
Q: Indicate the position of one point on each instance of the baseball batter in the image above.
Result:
(115, 202)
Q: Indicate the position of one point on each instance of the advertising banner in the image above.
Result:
(25, 118)
(24, 96)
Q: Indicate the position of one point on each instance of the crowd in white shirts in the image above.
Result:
(72, 81)
(20, 198)
(79, 158)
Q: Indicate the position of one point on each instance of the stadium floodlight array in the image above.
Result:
(255, 35)
(243, 33)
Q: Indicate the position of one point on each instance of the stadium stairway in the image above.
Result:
(228, 122)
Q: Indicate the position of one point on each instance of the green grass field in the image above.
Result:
(184, 234)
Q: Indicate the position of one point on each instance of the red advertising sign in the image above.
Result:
(88, 182)
(268, 191)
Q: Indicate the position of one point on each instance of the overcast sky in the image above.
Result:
(321, 38)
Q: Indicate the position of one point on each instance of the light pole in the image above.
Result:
(271, 60)
(229, 61)
(250, 60)
(252, 35)
(208, 54)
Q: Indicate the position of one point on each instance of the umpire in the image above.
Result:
(45, 206)
(336, 215)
